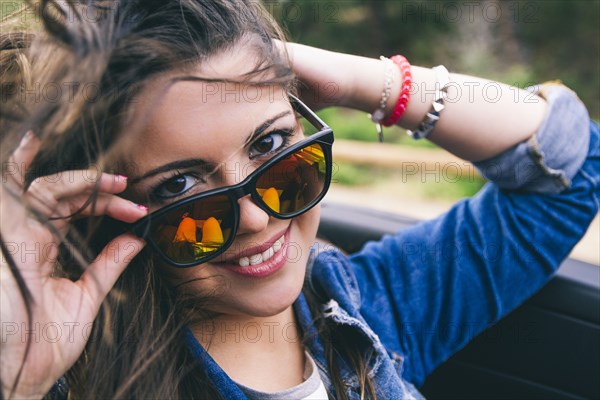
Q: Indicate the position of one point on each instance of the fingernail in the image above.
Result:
(26, 138)
(142, 207)
(121, 178)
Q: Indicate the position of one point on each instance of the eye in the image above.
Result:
(269, 143)
(175, 186)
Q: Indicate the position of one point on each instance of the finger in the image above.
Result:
(45, 193)
(110, 205)
(102, 274)
(21, 159)
(65, 184)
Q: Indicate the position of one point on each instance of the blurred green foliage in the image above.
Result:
(520, 42)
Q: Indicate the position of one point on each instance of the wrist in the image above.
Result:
(27, 387)
(422, 95)
(366, 84)
(22, 393)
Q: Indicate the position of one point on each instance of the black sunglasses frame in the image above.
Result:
(324, 136)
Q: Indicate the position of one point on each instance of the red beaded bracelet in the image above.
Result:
(404, 96)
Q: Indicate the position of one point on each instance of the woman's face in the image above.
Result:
(192, 127)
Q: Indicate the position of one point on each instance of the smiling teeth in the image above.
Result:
(256, 259)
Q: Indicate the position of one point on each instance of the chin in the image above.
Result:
(275, 297)
(268, 310)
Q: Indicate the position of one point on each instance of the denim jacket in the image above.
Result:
(419, 296)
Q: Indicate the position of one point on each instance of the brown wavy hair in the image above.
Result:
(136, 348)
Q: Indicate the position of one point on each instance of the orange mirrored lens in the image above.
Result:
(195, 230)
(295, 182)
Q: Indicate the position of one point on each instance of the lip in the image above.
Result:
(227, 258)
(263, 269)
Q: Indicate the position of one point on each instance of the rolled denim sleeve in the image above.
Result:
(547, 162)
(441, 282)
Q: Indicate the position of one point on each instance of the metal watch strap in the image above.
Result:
(437, 106)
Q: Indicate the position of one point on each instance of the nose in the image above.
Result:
(252, 218)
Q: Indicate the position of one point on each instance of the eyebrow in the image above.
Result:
(179, 164)
(264, 126)
(198, 162)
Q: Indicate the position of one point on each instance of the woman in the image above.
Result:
(194, 123)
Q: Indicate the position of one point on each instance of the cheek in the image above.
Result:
(308, 224)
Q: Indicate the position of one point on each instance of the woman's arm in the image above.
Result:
(482, 118)
(427, 290)
(440, 283)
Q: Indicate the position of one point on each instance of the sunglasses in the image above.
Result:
(201, 227)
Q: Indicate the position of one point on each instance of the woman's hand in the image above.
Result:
(62, 311)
